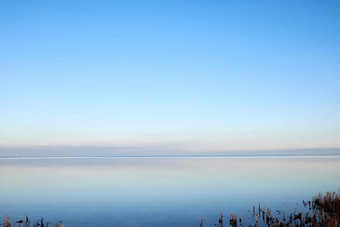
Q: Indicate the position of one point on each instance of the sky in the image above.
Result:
(170, 75)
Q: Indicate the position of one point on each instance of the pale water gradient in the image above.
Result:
(153, 191)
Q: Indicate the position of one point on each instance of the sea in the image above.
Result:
(160, 191)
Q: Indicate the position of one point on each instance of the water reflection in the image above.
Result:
(158, 191)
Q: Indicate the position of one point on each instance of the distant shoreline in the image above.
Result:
(145, 152)
(175, 156)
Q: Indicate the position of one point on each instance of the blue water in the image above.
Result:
(158, 191)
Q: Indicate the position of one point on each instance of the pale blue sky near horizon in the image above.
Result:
(180, 75)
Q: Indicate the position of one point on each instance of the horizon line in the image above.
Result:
(169, 156)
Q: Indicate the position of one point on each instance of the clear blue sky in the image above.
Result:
(181, 75)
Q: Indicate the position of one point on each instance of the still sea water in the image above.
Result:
(159, 191)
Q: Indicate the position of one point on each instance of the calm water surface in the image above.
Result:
(158, 191)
